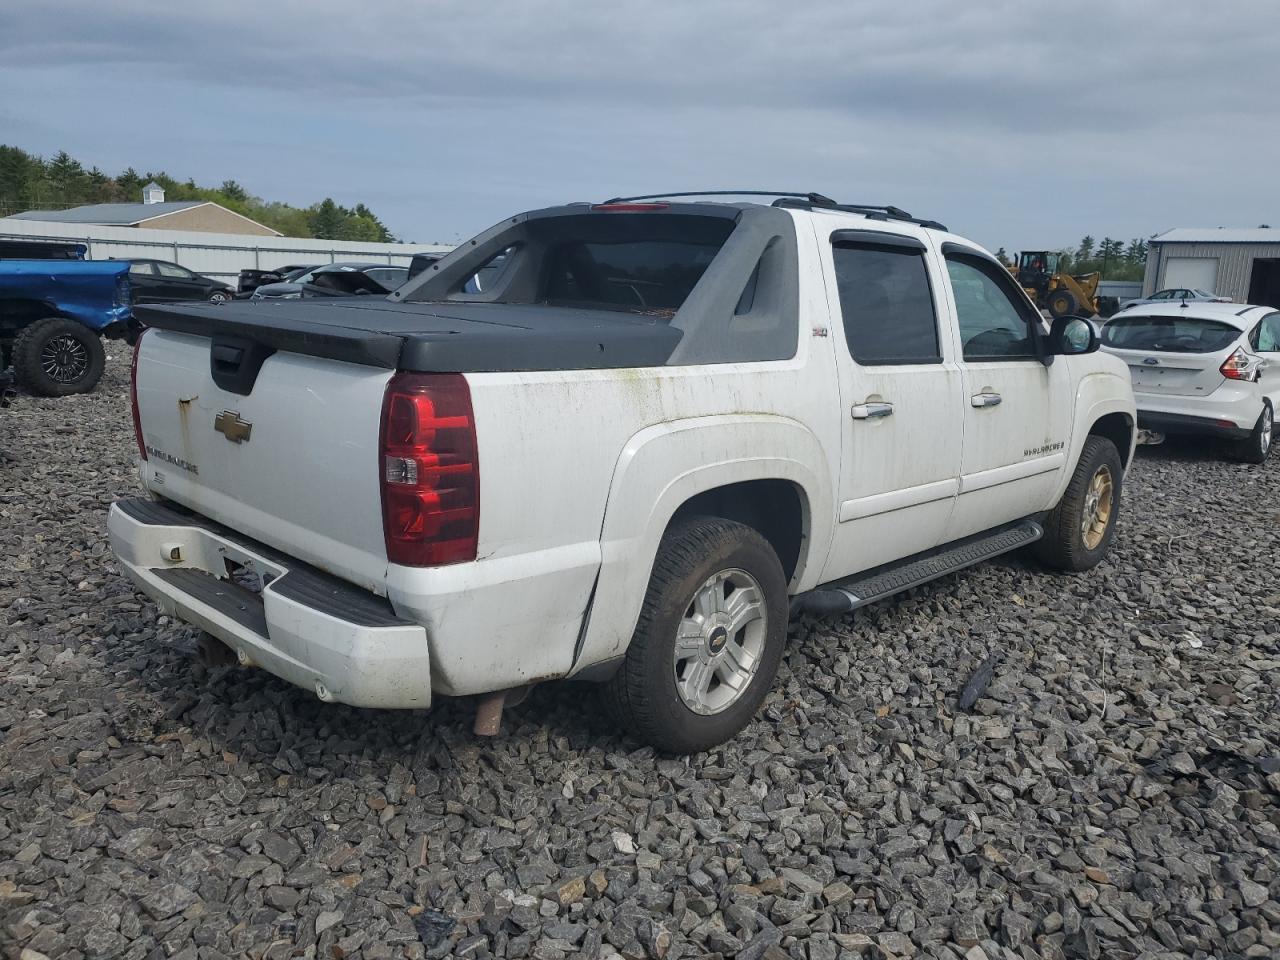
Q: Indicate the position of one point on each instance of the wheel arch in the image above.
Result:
(1119, 429)
(726, 466)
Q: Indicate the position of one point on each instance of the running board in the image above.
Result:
(842, 596)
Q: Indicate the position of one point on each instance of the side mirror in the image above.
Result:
(1072, 336)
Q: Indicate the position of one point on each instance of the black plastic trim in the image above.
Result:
(1177, 423)
(230, 599)
(879, 238)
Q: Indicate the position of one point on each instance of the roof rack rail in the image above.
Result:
(871, 211)
(798, 200)
(815, 198)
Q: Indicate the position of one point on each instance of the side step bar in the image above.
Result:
(864, 588)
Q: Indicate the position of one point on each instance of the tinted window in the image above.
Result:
(886, 304)
(172, 270)
(391, 277)
(640, 274)
(993, 325)
(1169, 334)
(643, 263)
(142, 269)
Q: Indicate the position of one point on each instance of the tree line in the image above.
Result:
(30, 182)
(1114, 259)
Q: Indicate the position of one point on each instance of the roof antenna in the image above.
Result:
(1184, 299)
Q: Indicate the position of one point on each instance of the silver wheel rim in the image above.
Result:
(720, 642)
(64, 359)
(218, 297)
(1267, 420)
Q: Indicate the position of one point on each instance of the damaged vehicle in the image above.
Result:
(336, 280)
(54, 314)
(653, 431)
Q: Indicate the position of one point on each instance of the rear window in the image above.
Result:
(646, 264)
(1169, 334)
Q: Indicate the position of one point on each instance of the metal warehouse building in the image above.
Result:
(1243, 264)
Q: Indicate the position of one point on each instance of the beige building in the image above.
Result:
(154, 213)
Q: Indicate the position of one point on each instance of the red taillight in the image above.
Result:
(429, 470)
(1241, 366)
(628, 207)
(133, 395)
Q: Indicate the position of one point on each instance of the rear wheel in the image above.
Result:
(1081, 527)
(709, 640)
(56, 356)
(1062, 303)
(1257, 446)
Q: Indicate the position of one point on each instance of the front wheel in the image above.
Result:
(1257, 446)
(709, 640)
(219, 296)
(1081, 527)
(57, 356)
(1062, 303)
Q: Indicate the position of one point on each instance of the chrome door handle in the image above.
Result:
(986, 399)
(871, 411)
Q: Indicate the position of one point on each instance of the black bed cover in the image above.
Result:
(440, 337)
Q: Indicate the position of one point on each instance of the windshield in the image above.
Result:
(1169, 334)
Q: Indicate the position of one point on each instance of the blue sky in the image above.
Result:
(1016, 123)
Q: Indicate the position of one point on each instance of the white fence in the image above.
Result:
(220, 255)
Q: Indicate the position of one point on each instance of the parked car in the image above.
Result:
(160, 281)
(251, 280)
(337, 280)
(691, 418)
(53, 314)
(14, 249)
(1199, 370)
(1178, 294)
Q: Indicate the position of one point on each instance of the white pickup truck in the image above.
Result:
(622, 442)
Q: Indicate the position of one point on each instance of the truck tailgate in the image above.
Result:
(293, 463)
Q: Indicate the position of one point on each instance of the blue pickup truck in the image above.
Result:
(53, 316)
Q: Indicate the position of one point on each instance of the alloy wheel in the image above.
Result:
(1098, 502)
(720, 641)
(64, 359)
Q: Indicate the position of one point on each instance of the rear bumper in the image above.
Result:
(323, 634)
(1180, 423)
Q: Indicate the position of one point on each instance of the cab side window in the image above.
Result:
(886, 304)
(995, 324)
(1266, 335)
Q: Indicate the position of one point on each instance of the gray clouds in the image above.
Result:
(1014, 122)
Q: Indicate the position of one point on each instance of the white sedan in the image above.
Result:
(1203, 368)
(1177, 295)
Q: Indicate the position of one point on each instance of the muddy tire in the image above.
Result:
(709, 639)
(1080, 529)
(56, 356)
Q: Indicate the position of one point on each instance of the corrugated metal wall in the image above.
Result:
(219, 255)
(1235, 264)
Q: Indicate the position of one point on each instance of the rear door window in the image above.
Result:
(886, 304)
(144, 269)
(1169, 334)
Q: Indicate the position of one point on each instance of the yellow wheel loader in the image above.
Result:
(1061, 293)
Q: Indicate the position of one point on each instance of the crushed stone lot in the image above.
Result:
(1114, 794)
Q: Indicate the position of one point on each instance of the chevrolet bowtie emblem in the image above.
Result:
(229, 424)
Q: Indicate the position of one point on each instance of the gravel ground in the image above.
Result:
(1115, 794)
